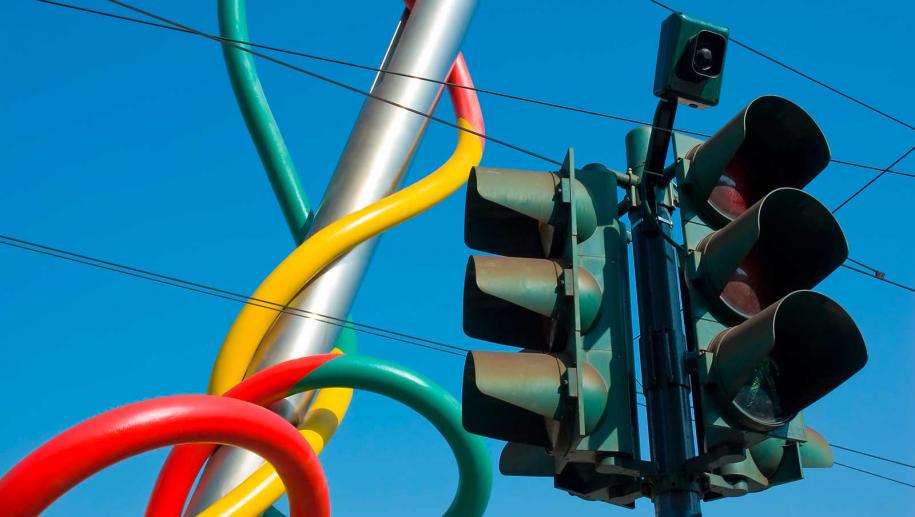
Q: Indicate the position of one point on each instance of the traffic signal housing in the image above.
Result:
(558, 289)
(763, 345)
(690, 61)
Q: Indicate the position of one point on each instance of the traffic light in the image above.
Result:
(764, 346)
(559, 290)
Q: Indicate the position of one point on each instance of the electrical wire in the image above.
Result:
(879, 275)
(229, 295)
(336, 61)
(874, 456)
(232, 296)
(495, 93)
(804, 75)
(873, 168)
(872, 180)
(894, 480)
(335, 82)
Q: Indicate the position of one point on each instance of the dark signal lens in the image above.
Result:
(747, 292)
(732, 195)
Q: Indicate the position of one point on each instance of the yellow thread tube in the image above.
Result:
(303, 264)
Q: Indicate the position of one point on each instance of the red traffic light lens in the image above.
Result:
(731, 195)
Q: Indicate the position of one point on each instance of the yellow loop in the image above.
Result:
(303, 264)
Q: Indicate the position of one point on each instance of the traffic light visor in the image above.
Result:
(785, 242)
(771, 143)
(517, 213)
(785, 358)
(512, 396)
(520, 301)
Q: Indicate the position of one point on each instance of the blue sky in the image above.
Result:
(124, 143)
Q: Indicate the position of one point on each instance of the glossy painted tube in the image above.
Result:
(358, 372)
(323, 247)
(233, 24)
(264, 487)
(177, 476)
(72, 456)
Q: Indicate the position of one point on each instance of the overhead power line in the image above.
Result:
(872, 180)
(335, 82)
(197, 287)
(894, 480)
(804, 75)
(879, 275)
(495, 93)
(876, 457)
(225, 294)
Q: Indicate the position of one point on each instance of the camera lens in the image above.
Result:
(706, 55)
(704, 59)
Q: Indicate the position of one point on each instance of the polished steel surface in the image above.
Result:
(371, 166)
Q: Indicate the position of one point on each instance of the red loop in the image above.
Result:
(72, 456)
(176, 479)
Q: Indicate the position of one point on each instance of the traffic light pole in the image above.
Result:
(662, 342)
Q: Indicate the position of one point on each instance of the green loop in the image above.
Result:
(259, 118)
(426, 398)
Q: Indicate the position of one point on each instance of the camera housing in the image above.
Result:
(690, 61)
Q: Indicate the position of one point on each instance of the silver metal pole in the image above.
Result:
(371, 166)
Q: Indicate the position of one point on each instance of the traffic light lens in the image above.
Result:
(740, 294)
(759, 397)
(731, 195)
(747, 292)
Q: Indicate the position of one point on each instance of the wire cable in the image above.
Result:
(335, 82)
(872, 180)
(873, 168)
(495, 93)
(894, 480)
(336, 61)
(213, 291)
(879, 275)
(804, 75)
(874, 456)
(229, 295)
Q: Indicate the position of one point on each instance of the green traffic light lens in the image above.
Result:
(759, 397)
(785, 358)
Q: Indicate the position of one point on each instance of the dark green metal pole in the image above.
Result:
(662, 343)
